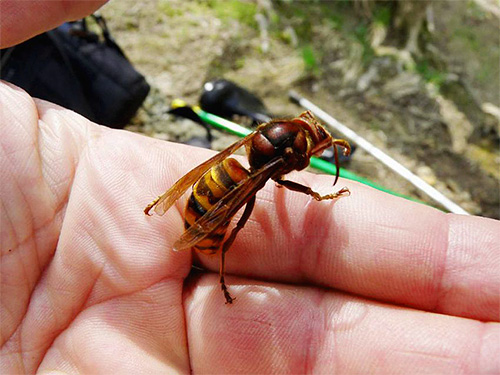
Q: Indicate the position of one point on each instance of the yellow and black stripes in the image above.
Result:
(209, 189)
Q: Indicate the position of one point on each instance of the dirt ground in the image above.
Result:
(428, 119)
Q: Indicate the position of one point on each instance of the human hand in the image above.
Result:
(90, 284)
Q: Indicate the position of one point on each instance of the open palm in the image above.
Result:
(90, 284)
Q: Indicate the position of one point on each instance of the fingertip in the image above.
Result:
(22, 20)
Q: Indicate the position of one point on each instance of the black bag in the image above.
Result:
(72, 67)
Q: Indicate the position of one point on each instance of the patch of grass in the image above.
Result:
(239, 63)
(310, 61)
(382, 15)
(168, 8)
(242, 11)
(430, 74)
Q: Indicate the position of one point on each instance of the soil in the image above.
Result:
(428, 117)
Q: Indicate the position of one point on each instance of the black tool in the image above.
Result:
(225, 99)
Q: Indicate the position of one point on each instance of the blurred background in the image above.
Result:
(418, 79)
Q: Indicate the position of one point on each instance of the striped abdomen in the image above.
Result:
(207, 191)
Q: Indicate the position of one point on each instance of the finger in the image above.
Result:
(374, 245)
(33, 200)
(272, 328)
(21, 20)
(369, 243)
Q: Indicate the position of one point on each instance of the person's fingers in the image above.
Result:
(21, 20)
(369, 243)
(372, 244)
(275, 328)
(33, 198)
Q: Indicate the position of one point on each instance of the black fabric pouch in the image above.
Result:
(80, 70)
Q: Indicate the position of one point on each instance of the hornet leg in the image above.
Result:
(225, 247)
(294, 186)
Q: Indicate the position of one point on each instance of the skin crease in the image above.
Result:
(368, 284)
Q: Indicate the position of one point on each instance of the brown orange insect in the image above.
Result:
(221, 185)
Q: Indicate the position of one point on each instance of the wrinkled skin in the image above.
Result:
(368, 284)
